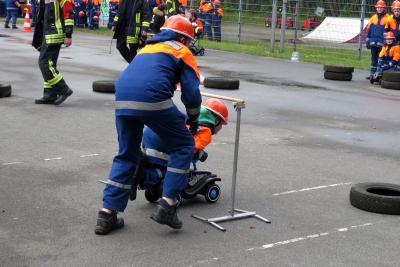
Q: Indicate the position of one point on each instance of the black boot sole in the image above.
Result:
(62, 98)
(99, 230)
(158, 220)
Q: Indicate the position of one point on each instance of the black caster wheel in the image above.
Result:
(151, 195)
(212, 193)
(201, 52)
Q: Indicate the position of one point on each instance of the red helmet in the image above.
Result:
(81, 14)
(390, 35)
(179, 25)
(95, 18)
(217, 107)
(380, 3)
(395, 5)
(217, 2)
(98, 13)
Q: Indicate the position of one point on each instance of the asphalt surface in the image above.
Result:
(304, 141)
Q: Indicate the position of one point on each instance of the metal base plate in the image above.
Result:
(236, 215)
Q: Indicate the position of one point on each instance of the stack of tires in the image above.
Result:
(391, 80)
(338, 73)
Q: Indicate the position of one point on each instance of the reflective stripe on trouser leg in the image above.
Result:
(129, 129)
(170, 126)
(48, 66)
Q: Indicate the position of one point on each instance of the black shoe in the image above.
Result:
(15, 27)
(45, 100)
(167, 214)
(107, 222)
(63, 97)
(6, 26)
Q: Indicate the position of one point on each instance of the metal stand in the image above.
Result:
(234, 214)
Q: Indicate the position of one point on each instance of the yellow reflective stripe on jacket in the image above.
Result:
(54, 38)
(146, 24)
(57, 21)
(132, 39)
(69, 22)
(116, 18)
(62, 3)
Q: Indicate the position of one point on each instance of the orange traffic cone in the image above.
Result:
(27, 23)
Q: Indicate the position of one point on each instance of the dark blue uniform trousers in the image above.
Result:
(170, 126)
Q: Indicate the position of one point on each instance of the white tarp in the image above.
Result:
(337, 30)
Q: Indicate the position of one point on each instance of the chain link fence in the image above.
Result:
(333, 28)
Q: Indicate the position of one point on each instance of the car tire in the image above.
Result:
(337, 76)
(5, 90)
(376, 197)
(391, 76)
(221, 83)
(104, 86)
(338, 69)
(390, 85)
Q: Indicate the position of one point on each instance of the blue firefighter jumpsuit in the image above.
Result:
(374, 41)
(143, 97)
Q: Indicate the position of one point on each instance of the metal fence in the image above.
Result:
(338, 27)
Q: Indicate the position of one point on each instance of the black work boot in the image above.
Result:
(107, 222)
(45, 100)
(166, 214)
(61, 98)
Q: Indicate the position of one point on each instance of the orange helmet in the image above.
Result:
(217, 2)
(179, 25)
(390, 35)
(395, 5)
(380, 3)
(81, 14)
(217, 107)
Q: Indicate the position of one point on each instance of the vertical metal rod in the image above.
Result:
(283, 27)
(360, 37)
(296, 19)
(273, 25)
(240, 20)
(235, 157)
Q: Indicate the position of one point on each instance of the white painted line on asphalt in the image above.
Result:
(307, 237)
(89, 155)
(310, 188)
(57, 158)
(12, 163)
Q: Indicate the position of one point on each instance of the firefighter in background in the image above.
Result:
(183, 6)
(393, 4)
(97, 13)
(80, 13)
(158, 19)
(143, 96)
(196, 23)
(393, 23)
(113, 9)
(376, 29)
(205, 11)
(388, 58)
(217, 15)
(172, 7)
(93, 13)
(130, 27)
(54, 27)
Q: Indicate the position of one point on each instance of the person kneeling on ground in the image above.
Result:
(213, 115)
(143, 95)
(388, 57)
